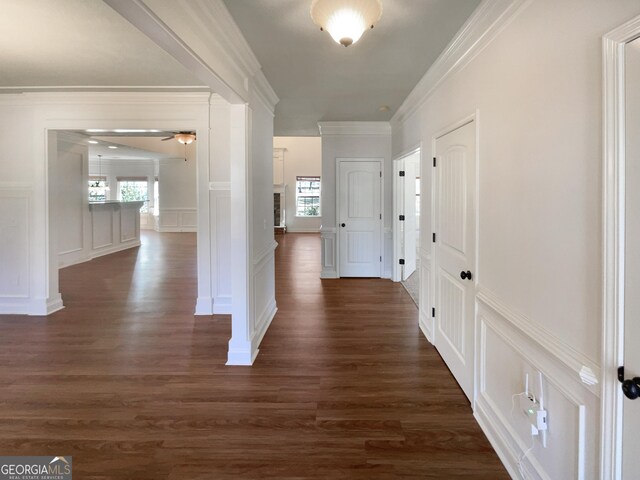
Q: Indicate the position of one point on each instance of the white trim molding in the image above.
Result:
(613, 213)
(491, 17)
(584, 372)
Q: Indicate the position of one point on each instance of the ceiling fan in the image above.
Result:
(183, 137)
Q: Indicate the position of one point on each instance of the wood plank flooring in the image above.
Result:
(133, 386)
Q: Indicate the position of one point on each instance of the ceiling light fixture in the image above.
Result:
(93, 142)
(346, 20)
(185, 138)
(112, 147)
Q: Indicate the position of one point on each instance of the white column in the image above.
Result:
(241, 349)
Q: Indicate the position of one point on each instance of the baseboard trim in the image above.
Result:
(241, 357)
(119, 248)
(506, 443)
(204, 306)
(329, 274)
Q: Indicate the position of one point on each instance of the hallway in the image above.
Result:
(132, 385)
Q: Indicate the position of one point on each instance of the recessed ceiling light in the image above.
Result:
(95, 130)
(383, 108)
(113, 147)
(93, 141)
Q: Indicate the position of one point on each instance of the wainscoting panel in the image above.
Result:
(328, 239)
(102, 227)
(220, 209)
(506, 353)
(263, 292)
(14, 246)
(129, 224)
(178, 220)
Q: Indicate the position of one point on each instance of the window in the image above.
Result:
(307, 196)
(97, 189)
(131, 189)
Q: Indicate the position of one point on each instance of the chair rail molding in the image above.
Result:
(508, 337)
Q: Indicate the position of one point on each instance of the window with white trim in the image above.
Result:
(307, 196)
(131, 189)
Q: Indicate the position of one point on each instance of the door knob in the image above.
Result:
(630, 388)
(466, 275)
(343, 225)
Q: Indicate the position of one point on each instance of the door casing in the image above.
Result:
(613, 46)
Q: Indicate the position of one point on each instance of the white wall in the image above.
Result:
(303, 157)
(353, 140)
(177, 196)
(537, 88)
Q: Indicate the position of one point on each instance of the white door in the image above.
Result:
(455, 248)
(409, 233)
(359, 218)
(631, 408)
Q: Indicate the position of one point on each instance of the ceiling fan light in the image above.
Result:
(185, 138)
(346, 20)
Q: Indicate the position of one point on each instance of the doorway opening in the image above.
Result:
(114, 195)
(407, 189)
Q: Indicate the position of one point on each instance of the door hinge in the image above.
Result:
(380, 216)
(433, 312)
(434, 238)
(380, 174)
(401, 173)
(401, 218)
(380, 257)
(434, 161)
(401, 261)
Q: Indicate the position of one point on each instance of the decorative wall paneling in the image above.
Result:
(328, 238)
(508, 348)
(15, 241)
(178, 220)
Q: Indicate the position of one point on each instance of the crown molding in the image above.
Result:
(263, 91)
(103, 98)
(479, 30)
(354, 128)
(149, 22)
(230, 36)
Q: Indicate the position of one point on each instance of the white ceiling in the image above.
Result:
(80, 43)
(319, 80)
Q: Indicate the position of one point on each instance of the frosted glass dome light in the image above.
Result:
(346, 20)
(185, 138)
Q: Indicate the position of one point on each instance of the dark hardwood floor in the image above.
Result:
(133, 386)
